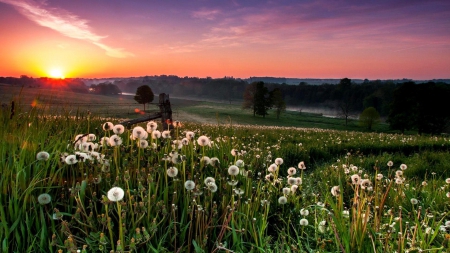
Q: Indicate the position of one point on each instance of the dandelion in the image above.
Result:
(301, 165)
(156, 134)
(447, 180)
(355, 179)
(279, 161)
(203, 141)
(390, 163)
(71, 159)
(143, 143)
(322, 226)
(209, 180)
(365, 183)
(424, 183)
(345, 214)
(304, 212)
(233, 170)
(172, 172)
(272, 168)
(234, 152)
(399, 173)
(398, 180)
(185, 141)
(286, 190)
(292, 181)
(44, 198)
(190, 135)
(291, 171)
(206, 160)
(151, 126)
(403, 166)
(115, 140)
(118, 129)
(166, 134)
(282, 200)
(304, 222)
(104, 141)
(189, 185)
(92, 137)
(108, 126)
(115, 194)
(414, 201)
(294, 188)
(212, 186)
(139, 133)
(379, 176)
(335, 191)
(81, 138)
(177, 123)
(239, 163)
(215, 161)
(42, 156)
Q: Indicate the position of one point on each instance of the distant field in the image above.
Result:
(63, 102)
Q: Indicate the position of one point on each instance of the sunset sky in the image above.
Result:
(304, 39)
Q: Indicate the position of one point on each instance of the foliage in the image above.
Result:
(105, 89)
(369, 118)
(278, 102)
(249, 98)
(242, 212)
(263, 101)
(144, 95)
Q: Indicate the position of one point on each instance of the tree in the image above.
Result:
(262, 101)
(345, 101)
(369, 118)
(249, 97)
(144, 95)
(278, 102)
(403, 113)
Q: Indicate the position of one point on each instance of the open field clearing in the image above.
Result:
(75, 182)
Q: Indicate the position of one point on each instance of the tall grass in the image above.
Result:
(209, 206)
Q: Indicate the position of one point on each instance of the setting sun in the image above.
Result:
(56, 73)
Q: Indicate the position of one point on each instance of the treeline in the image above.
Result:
(69, 84)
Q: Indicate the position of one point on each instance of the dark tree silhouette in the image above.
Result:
(278, 101)
(144, 95)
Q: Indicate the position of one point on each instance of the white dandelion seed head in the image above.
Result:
(139, 133)
(156, 134)
(172, 172)
(286, 190)
(189, 185)
(108, 126)
(239, 163)
(203, 141)
(143, 143)
(166, 134)
(403, 166)
(335, 191)
(115, 140)
(190, 135)
(304, 212)
(42, 156)
(71, 159)
(118, 129)
(301, 165)
(279, 161)
(233, 170)
(304, 222)
(282, 200)
(291, 171)
(390, 163)
(44, 198)
(115, 194)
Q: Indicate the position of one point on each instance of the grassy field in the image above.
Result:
(73, 182)
(183, 109)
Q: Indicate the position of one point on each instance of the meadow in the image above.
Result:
(73, 179)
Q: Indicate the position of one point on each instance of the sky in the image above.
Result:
(216, 38)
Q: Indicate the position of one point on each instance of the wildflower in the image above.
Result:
(399, 173)
(234, 152)
(291, 171)
(44, 199)
(240, 163)
(322, 226)
(282, 200)
(166, 134)
(447, 180)
(172, 172)
(156, 134)
(143, 143)
(42, 156)
(177, 123)
(115, 140)
(294, 188)
(398, 180)
(272, 168)
(189, 185)
(203, 141)
(403, 166)
(139, 133)
(301, 165)
(292, 180)
(447, 194)
(304, 212)
(390, 163)
(92, 137)
(424, 183)
(71, 159)
(190, 135)
(185, 141)
(233, 170)
(379, 176)
(206, 160)
(365, 183)
(108, 126)
(355, 179)
(335, 191)
(414, 201)
(209, 180)
(299, 181)
(215, 161)
(286, 190)
(151, 126)
(212, 186)
(118, 129)
(115, 194)
(81, 138)
(304, 222)
(279, 161)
